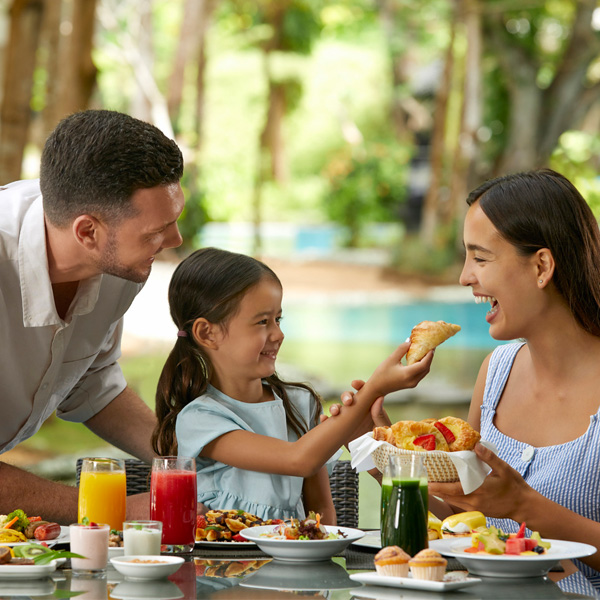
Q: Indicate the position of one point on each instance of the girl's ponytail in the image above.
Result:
(184, 377)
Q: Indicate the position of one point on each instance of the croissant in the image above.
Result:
(426, 336)
(449, 434)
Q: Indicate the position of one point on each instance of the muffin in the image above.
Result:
(428, 564)
(392, 561)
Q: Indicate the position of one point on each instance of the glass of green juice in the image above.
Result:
(404, 502)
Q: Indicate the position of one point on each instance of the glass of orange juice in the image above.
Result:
(102, 491)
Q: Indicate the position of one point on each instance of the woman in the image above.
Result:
(533, 252)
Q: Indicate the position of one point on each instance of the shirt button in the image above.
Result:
(528, 453)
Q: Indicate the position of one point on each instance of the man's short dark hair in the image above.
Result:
(95, 160)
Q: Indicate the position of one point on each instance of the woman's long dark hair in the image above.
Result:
(210, 283)
(543, 209)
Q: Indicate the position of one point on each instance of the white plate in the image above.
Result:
(146, 590)
(504, 565)
(301, 550)
(309, 577)
(28, 571)
(115, 551)
(451, 582)
(372, 539)
(223, 544)
(146, 571)
(63, 538)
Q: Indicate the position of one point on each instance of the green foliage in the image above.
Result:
(413, 258)
(194, 214)
(301, 27)
(577, 158)
(367, 185)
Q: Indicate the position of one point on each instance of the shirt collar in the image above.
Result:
(36, 289)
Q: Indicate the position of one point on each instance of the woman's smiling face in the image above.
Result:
(497, 274)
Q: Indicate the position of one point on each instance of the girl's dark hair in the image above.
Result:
(543, 209)
(210, 283)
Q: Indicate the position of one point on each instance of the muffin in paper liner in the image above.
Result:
(440, 468)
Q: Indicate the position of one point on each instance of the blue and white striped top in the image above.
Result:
(568, 474)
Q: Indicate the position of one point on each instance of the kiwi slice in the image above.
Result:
(30, 550)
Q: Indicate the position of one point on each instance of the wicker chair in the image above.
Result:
(136, 472)
(344, 491)
(343, 481)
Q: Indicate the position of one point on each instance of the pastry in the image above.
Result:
(465, 437)
(426, 336)
(418, 435)
(428, 564)
(392, 560)
(447, 434)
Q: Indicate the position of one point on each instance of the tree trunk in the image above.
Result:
(25, 26)
(51, 39)
(79, 71)
(191, 35)
(399, 60)
(466, 149)
(141, 107)
(432, 208)
(568, 85)
(520, 152)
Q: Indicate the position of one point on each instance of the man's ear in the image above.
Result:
(544, 266)
(87, 230)
(206, 333)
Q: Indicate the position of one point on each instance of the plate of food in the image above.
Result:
(222, 527)
(17, 528)
(305, 540)
(26, 571)
(527, 564)
(451, 581)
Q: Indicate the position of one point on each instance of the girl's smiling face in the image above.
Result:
(250, 340)
(499, 275)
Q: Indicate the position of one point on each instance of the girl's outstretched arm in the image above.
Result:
(316, 496)
(304, 457)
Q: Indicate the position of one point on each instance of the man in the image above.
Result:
(75, 249)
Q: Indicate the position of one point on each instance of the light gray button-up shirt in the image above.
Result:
(49, 364)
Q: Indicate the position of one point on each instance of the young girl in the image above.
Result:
(255, 438)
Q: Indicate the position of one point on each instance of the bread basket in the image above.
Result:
(440, 468)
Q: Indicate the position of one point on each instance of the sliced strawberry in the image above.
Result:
(448, 435)
(200, 522)
(239, 538)
(427, 441)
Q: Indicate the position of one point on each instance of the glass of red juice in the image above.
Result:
(173, 501)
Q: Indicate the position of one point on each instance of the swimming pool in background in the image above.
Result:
(387, 323)
(334, 341)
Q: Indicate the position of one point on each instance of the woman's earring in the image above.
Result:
(541, 280)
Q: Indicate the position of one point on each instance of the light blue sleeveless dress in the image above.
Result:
(568, 474)
(222, 486)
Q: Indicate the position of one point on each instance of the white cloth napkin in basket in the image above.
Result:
(464, 466)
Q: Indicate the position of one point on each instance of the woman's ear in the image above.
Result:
(544, 266)
(205, 333)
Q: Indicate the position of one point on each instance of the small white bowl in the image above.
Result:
(143, 571)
